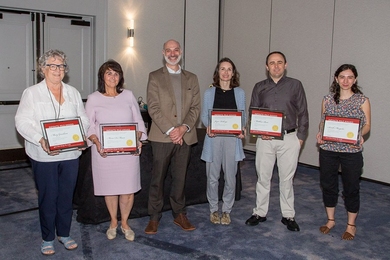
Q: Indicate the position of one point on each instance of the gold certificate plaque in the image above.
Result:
(266, 122)
(226, 122)
(64, 134)
(119, 139)
(341, 129)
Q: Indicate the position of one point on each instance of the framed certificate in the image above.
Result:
(119, 139)
(341, 129)
(226, 122)
(266, 122)
(64, 134)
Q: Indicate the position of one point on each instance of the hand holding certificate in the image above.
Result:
(226, 122)
(119, 138)
(265, 122)
(341, 129)
(64, 134)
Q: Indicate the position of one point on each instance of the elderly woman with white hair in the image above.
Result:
(55, 173)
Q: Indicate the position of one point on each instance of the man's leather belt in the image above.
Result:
(289, 131)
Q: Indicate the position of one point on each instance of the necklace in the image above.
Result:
(59, 103)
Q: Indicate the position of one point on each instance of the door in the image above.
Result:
(25, 35)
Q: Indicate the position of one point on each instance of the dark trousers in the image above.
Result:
(177, 157)
(351, 170)
(55, 182)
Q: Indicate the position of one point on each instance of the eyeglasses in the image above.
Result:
(53, 67)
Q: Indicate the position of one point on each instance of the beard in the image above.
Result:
(173, 63)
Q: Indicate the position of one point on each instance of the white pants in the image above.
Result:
(286, 153)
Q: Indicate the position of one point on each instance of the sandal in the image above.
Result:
(68, 243)
(325, 229)
(47, 248)
(347, 235)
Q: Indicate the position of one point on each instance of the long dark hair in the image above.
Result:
(335, 87)
(234, 81)
(115, 66)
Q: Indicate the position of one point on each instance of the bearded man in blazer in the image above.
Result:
(173, 100)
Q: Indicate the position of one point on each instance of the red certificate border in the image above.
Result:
(266, 112)
(352, 120)
(47, 124)
(120, 127)
(228, 132)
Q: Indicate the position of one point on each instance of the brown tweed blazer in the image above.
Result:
(162, 105)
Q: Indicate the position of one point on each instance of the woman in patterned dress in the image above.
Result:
(345, 100)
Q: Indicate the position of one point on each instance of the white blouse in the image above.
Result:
(38, 103)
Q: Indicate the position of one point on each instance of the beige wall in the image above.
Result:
(361, 37)
(317, 37)
(245, 40)
(194, 25)
(302, 30)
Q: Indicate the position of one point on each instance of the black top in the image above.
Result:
(224, 99)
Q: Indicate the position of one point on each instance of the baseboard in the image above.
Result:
(13, 155)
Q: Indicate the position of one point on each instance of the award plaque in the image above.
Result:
(341, 129)
(119, 139)
(64, 134)
(226, 122)
(266, 122)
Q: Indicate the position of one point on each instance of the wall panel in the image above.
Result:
(362, 37)
(245, 39)
(154, 23)
(302, 30)
(201, 39)
(317, 37)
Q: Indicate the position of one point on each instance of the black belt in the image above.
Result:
(289, 131)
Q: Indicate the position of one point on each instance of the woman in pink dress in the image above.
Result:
(116, 177)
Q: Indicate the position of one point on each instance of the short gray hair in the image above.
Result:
(178, 43)
(51, 54)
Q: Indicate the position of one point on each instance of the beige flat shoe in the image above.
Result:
(129, 234)
(111, 233)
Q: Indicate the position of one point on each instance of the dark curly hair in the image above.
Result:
(234, 81)
(335, 87)
(115, 66)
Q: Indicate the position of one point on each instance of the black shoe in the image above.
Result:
(291, 224)
(255, 220)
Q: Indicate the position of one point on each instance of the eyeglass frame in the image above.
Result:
(54, 67)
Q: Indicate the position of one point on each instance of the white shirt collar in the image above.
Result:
(171, 71)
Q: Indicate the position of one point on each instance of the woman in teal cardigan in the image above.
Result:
(225, 151)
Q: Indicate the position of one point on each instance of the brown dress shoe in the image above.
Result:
(182, 221)
(151, 228)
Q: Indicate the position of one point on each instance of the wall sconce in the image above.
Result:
(130, 33)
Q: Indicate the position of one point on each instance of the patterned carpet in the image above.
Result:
(20, 235)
